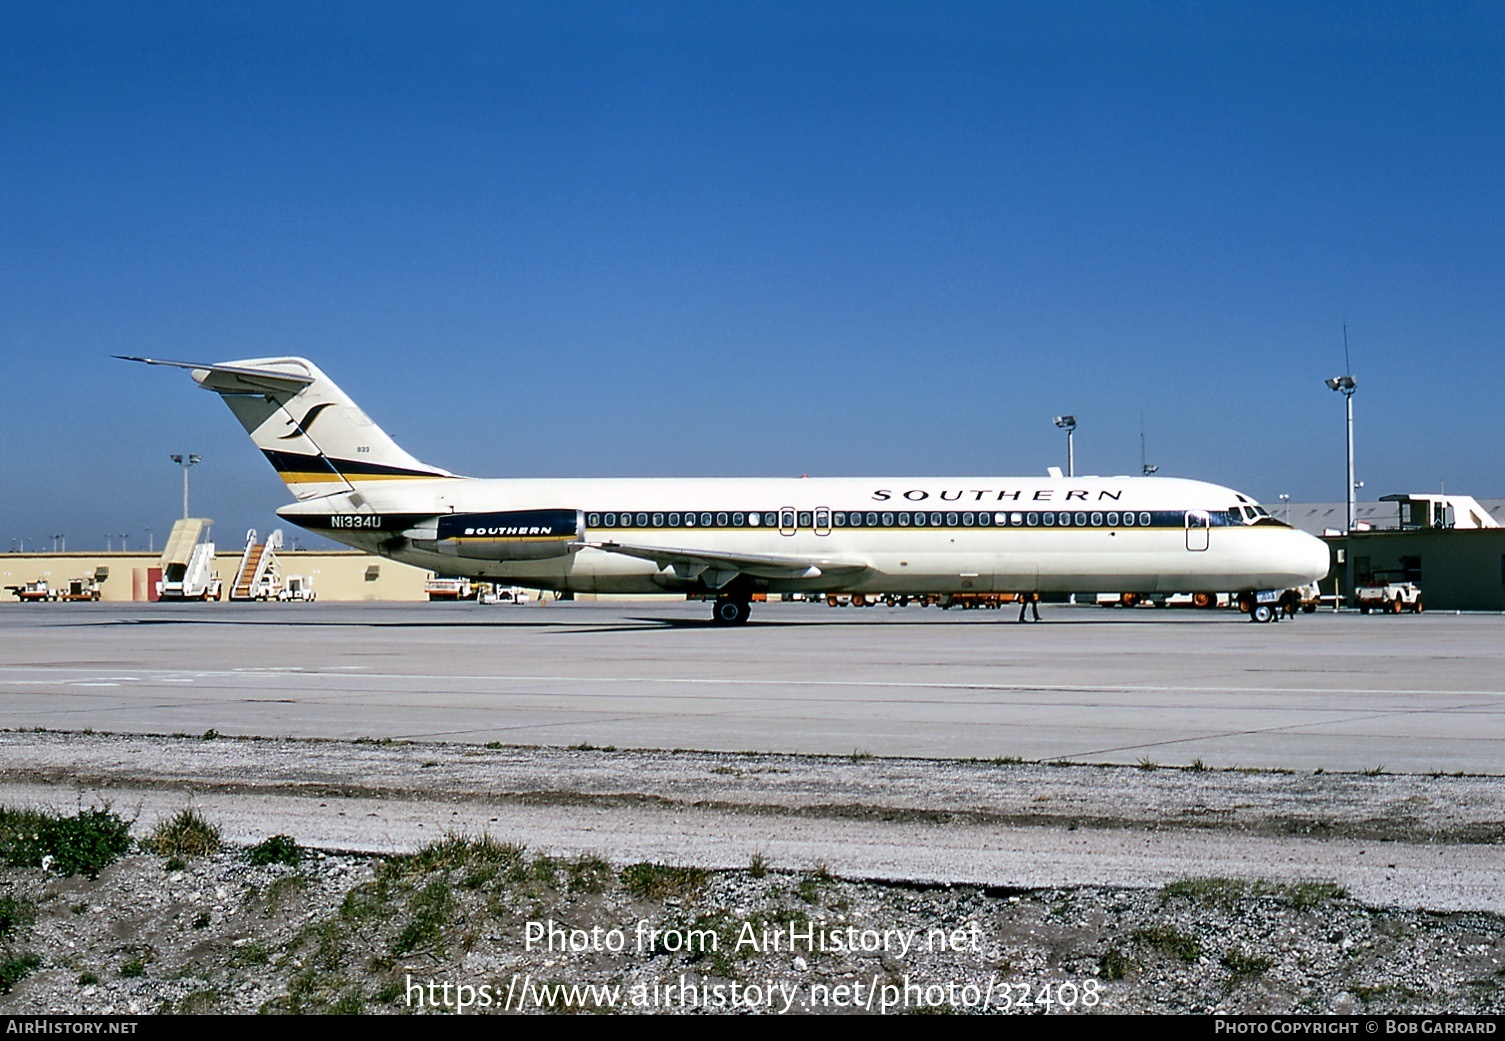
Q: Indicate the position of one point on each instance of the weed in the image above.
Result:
(808, 888)
(201, 920)
(15, 968)
(587, 874)
(254, 953)
(135, 966)
(1197, 766)
(1241, 964)
(1226, 892)
(197, 1003)
(84, 844)
(1310, 893)
(279, 849)
(15, 914)
(431, 908)
(757, 867)
(859, 754)
(1169, 940)
(350, 1003)
(1147, 764)
(1115, 964)
(661, 881)
(186, 835)
(87, 979)
(493, 745)
(280, 890)
(211, 735)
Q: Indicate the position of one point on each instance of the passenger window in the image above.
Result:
(705, 520)
(642, 520)
(721, 520)
(593, 520)
(903, 520)
(805, 519)
(771, 519)
(888, 520)
(737, 519)
(1112, 520)
(658, 520)
(1049, 518)
(1080, 520)
(1097, 520)
(673, 520)
(1144, 520)
(968, 519)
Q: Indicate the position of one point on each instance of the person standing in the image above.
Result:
(1029, 602)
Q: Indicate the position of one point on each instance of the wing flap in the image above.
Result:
(717, 569)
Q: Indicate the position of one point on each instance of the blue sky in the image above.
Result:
(621, 239)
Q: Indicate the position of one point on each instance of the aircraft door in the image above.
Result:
(823, 521)
(1198, 530)
(786, 521)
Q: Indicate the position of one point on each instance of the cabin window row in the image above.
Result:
(807, 519)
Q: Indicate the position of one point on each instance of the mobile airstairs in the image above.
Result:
(258, 577)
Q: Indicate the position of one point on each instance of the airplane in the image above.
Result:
(733, 537)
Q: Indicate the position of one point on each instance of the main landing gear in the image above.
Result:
(728, 610)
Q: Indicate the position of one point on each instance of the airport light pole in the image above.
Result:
(185, 462)
(1285, 501)
(151, 545)
(1346, 385)
(1068, 424)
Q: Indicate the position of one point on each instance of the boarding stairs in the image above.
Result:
(257, 564)
(188, 562)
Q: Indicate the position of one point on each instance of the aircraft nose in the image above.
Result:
(1315, 559)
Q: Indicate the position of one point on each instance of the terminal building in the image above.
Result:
(1451, 546)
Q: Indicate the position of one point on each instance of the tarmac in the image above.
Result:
(901, 744)
(1344, 692)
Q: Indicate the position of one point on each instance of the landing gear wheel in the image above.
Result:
(1262, 613)
(729, 612)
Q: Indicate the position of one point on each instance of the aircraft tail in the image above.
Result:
(316, 438)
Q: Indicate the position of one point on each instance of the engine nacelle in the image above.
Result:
(510, 535)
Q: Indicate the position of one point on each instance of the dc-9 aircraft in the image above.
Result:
(733, 537)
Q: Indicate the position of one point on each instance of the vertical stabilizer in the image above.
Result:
(317, 439)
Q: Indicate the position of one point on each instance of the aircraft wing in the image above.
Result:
(717, 569)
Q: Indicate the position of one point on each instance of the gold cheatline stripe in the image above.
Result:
(329, 478)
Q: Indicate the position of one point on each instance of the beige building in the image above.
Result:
(334, 575)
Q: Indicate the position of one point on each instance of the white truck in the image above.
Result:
(1381, 593)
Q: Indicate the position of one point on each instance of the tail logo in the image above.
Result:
(301, 426)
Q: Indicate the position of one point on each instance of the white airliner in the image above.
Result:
(733, 537)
